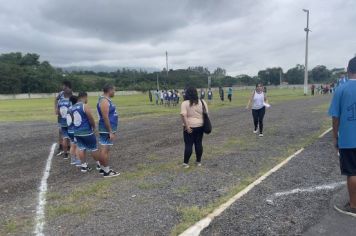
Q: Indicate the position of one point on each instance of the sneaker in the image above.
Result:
(66, 156)
(260, 135)
(78, 163)
(101, 171)
(73, 161)
(59, 152)
(85, 169)
(346, 209)
(98, 167)
(255, 131)
(198, 163)
(185, 166)
(111, 174)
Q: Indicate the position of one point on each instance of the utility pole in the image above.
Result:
(157, 82)
(167, 63)
(306, 54)
(280, 78)
(209, 82)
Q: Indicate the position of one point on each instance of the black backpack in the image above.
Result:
(207, 127)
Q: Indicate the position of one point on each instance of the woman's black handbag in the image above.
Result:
(207, 124)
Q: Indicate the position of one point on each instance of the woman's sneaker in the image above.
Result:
(85, 169)
(260, 135)
(101, 171)
(255, 131)
(98, 167)
(346, 209)
(185, 166)
(111, 174)
(198, 163)
(65, 156)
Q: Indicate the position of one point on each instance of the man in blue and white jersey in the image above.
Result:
(84, 126)
(108, 124)
(66, 85)
(63, 107)
(73, 143)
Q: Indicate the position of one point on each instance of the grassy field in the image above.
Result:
(129, 107)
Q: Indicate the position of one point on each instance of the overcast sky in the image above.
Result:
(242, 36)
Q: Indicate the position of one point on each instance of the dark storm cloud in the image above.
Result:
(240, 35)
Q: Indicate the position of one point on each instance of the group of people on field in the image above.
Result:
(166, 97)
(77, 128)
(322, 89)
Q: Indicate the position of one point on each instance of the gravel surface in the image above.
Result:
(148, 196)
(287, 215)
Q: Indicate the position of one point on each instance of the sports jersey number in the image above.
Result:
(352, 110)
(69, 120)
(77, 119)
(63, 111)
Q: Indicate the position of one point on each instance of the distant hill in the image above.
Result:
(107, 69)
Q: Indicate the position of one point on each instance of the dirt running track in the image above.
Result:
(148, 197)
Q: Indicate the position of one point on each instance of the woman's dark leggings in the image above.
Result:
(196, 138)
(258, 116)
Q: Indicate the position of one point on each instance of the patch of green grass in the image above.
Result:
(15, 226)
(80, 202)
(182, 190)
(129, 107)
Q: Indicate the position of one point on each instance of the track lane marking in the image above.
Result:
(39, 220)
(196, 229)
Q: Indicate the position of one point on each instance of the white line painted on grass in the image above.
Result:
(39, 221)
(327, 131)
(331, 186)
(202, 224)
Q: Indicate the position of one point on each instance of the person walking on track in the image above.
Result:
(84, 127)
(108, 123)
(343, 113)
(229, 93)
(258, 100)
(192, 117)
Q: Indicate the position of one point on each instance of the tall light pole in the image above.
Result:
(306, 55)
(167, 63)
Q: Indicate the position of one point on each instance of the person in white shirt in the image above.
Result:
(258, 100)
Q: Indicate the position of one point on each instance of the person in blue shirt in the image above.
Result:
(84, 127)
(343, 113)
(229, 93)
(66, 85)
(73, 143)
(108, 124)
(63, 107)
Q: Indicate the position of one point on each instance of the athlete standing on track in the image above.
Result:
(258, 100)
(84, 127)
(343, 112)
(65, 85)
(73, 142)
(63, 107)
(108, 124)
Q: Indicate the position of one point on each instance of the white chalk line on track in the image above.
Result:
(313, 189)
(196, 229)
(39, 220)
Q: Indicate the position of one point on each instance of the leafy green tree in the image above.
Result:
(295, 75)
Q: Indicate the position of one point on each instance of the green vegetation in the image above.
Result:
(79, 202)
(129, 107)
(19, 225)
(27, 74)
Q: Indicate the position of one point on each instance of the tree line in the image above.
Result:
(25, 73)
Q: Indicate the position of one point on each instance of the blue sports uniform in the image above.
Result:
(83, 131)
(70, 124)
(63, 106)
(104, 138)
(59, 97)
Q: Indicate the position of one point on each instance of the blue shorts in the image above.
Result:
(72, 138)
(104, 139)
(87, 143)
(65, 132)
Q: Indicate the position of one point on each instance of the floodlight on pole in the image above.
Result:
(306, 54)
